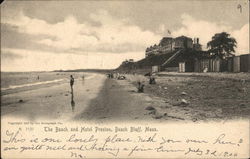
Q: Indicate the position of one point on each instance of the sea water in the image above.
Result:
(16, 80)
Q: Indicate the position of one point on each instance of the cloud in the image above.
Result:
(111, 35)
(242, 38)
(205, 30)
(6, 55)
(70, 44)
(161, 29)
(30, 60)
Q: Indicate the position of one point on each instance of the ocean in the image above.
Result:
(11, 81)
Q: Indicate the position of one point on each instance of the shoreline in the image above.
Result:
(99, 99)
(29, 82)
(50, 102)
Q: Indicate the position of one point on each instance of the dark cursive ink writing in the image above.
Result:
(14, 137)
(221, 140)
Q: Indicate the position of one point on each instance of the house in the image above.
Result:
(190, 60)
(185, 55)
(169, 44)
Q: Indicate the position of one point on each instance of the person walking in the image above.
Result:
(72, 80)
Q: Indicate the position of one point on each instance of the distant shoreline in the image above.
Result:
(84, 70)
(74, 70)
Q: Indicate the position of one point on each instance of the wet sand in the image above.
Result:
(52, 102)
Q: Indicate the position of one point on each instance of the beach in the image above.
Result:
(96, 98)
(50, 100)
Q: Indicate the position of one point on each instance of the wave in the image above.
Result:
(30, 84)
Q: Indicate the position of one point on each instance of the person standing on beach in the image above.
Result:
(71, 83)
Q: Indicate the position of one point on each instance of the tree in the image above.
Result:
(222, 45)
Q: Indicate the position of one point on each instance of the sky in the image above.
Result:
(52, 35)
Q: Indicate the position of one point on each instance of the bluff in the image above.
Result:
(170, 59)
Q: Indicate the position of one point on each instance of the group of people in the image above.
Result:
(111, 75)
(116, 76)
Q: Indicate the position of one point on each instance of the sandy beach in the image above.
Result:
(175, 97)
(95, 98)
